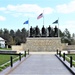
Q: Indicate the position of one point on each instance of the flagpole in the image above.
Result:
(43, 17)
(28, 28)
(58, 28)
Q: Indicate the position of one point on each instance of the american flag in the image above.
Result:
(40, 16)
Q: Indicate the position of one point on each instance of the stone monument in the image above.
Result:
(39, 42)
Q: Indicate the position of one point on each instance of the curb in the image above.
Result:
(72, 71)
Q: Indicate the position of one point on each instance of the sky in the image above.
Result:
(13, 13)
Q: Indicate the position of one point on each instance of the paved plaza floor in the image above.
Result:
(41, 64)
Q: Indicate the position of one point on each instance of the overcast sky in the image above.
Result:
(13, 13)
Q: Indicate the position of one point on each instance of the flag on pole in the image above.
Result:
(40, 16)
(55, 22)
(26, 22)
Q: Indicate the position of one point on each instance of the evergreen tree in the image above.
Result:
(66, 37)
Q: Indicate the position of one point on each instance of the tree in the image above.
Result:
(14, 37)
(73, 39)
(67, 34)
(23, 32)
(23, 35)
(60, 33)
(18, 40)
(18, 33)
(11, 41)
(18, 37)
(6, 36)
(6, 31)
(66, 37)
(12, 33)
(1, 32)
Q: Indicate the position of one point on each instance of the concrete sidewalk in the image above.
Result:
(42, 52)
(41, 64)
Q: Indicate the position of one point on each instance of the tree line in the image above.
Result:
(14, 37)
(19, 36)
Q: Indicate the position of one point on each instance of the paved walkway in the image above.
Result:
(41, 64)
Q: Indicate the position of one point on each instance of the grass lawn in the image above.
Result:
(5, 58)
(73, 56)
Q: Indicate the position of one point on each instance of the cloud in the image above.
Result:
(70, 25)
(48, 10)
(16, 14)
(29, 15)
(2, 8)
(66, 8)
(26, 8)
(2, 18)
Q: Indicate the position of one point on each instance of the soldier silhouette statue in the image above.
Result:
(37, 31)
(43, 32)
(31, 31)
(49, 31)
(55, 31)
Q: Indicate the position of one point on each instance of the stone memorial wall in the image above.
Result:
(43, 44)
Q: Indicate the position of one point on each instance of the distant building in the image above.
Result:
(2, 42)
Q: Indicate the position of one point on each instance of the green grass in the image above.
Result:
(68, 59)
(5, 58)
(73, 56)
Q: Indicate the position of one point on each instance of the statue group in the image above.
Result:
(44, 32)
